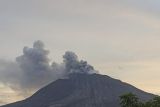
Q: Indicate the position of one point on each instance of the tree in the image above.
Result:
(141, 104)
(156, 102)
(148, 104)
(129, 100)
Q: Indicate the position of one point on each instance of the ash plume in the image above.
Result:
(73, 65)
(33, 70)
(34, 63)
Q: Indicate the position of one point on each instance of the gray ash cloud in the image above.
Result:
(33, 70)
(73, 65)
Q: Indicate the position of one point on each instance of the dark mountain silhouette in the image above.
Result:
(81, 90)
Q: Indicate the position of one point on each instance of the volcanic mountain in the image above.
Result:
(81, 90)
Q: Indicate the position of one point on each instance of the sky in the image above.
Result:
(120, 38)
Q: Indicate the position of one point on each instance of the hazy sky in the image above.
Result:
(120, 38)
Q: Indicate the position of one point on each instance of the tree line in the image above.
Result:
(131, 100)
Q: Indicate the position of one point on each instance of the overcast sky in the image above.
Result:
(120, 38)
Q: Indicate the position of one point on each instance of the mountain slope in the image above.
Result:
(81, 90)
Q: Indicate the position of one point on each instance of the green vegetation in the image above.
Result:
(131, 100)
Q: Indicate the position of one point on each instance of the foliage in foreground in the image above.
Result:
(131, 100)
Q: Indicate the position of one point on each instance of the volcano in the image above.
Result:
(82, 90)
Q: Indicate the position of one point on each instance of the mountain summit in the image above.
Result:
(81, 90)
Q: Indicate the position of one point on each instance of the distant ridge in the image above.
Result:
(81, 90)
